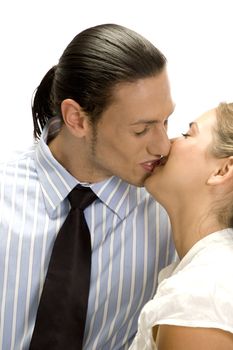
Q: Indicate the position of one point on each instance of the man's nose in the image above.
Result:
(159, 144)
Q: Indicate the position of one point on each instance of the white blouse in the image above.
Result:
(195, 292)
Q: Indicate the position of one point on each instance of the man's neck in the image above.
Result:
(72, 157)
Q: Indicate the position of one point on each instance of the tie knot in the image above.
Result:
(81, 197)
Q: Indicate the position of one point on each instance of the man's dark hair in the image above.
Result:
(91, 66)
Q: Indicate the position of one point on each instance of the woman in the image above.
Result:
(193, 306)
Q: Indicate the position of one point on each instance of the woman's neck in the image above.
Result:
(190, 223)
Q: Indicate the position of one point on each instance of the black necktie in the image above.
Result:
(61, 314)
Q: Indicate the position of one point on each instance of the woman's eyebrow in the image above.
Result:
(194, 125)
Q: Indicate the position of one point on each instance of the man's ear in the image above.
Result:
(74, 117)
(223, 173)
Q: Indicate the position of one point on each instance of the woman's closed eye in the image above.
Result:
(185, 135)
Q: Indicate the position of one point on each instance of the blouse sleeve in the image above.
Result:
(197, 295)
(200, 295)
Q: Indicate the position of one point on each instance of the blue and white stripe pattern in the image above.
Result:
(131, 243)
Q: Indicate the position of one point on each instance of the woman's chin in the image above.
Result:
(150, 185)
(151, 180)
(155, 189)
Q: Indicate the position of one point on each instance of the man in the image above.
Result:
(101, 118)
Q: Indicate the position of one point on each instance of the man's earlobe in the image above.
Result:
(223, 173)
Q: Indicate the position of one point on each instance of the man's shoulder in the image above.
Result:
(18, 162)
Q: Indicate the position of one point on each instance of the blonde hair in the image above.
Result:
(223, 133)
(222, 147)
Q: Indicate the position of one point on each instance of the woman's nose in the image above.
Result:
(173, 139)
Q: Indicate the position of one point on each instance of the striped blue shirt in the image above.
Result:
(131, 243)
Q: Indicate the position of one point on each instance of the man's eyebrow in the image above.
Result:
(144, 122)
(149, 121)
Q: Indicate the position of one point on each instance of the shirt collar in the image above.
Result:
(118, 195)
(57, 182)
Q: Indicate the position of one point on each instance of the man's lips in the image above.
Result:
(150, 165)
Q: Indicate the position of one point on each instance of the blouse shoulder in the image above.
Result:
(197, 295)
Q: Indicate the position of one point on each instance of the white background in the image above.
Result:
(195, 35)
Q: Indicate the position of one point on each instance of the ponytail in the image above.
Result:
(42, 103)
